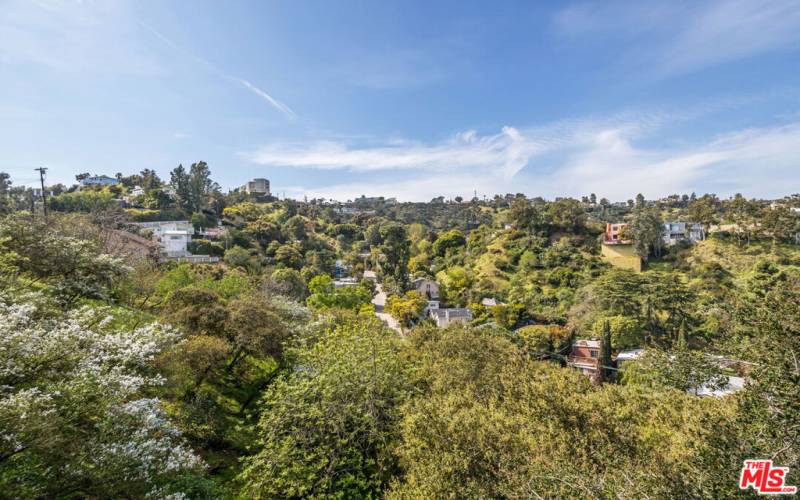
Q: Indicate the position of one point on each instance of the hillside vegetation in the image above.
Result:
(267, 375)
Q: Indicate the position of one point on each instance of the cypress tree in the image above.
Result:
(605, 352)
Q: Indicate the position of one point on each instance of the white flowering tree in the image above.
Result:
(74, 419)
(74, 265)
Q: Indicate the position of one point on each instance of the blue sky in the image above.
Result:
(409, 99)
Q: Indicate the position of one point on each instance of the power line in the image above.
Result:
(42, 170)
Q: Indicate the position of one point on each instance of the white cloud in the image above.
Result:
(506, 152)
(758, 162)
(679, 37)
(567, 158)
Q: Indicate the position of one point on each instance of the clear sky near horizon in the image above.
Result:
(409, 99)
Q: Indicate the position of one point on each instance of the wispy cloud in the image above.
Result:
(566, 158)
(679, 37)
(283, 108)
(506, 152)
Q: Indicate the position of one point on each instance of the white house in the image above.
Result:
(675, 232)
(343, 282)
(628, 355)
(175, 243)
(446, 317)
(426, 287)
(137, 191)
(490, 302)
(173, 236)
(734, 384)
(99, 180)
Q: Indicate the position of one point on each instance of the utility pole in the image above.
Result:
(42, 170)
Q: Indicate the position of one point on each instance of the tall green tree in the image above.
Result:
(201, 186)
(703, 210)
(397, 248)
(329, 428)
(646, 230)
(605, 353)
(179, 179)
(193, 188)
(5, 184)
(523, 215)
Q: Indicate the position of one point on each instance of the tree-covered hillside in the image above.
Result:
(310, 360)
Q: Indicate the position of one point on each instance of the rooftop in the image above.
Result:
(452, 313)
(587, 343)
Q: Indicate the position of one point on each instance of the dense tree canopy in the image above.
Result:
(262, 376)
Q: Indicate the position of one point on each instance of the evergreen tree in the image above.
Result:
(397, 248)
(646, 230)
(179, 180)
(605, 353)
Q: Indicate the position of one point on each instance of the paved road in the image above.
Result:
(379, 301)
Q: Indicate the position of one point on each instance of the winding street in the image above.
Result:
(379, 301)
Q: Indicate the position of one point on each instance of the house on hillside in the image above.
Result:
(99, 180)
(258, 187)
(676, 232)
(618, 250)
(340, 269)
(491, 302)
(628, 355)
(731, 386)
(446, 317)
(426, 287)
(344, 282)
(213, 233)
(173, 236)
(585, 356)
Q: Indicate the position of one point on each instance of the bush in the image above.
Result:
(205, 247)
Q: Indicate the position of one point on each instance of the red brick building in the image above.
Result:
(585, 356)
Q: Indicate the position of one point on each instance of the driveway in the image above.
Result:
(379, 301)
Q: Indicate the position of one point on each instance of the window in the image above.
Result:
(594, 353)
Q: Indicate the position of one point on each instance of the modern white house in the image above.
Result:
(175, 243)
(173, 236)
(675, 232)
